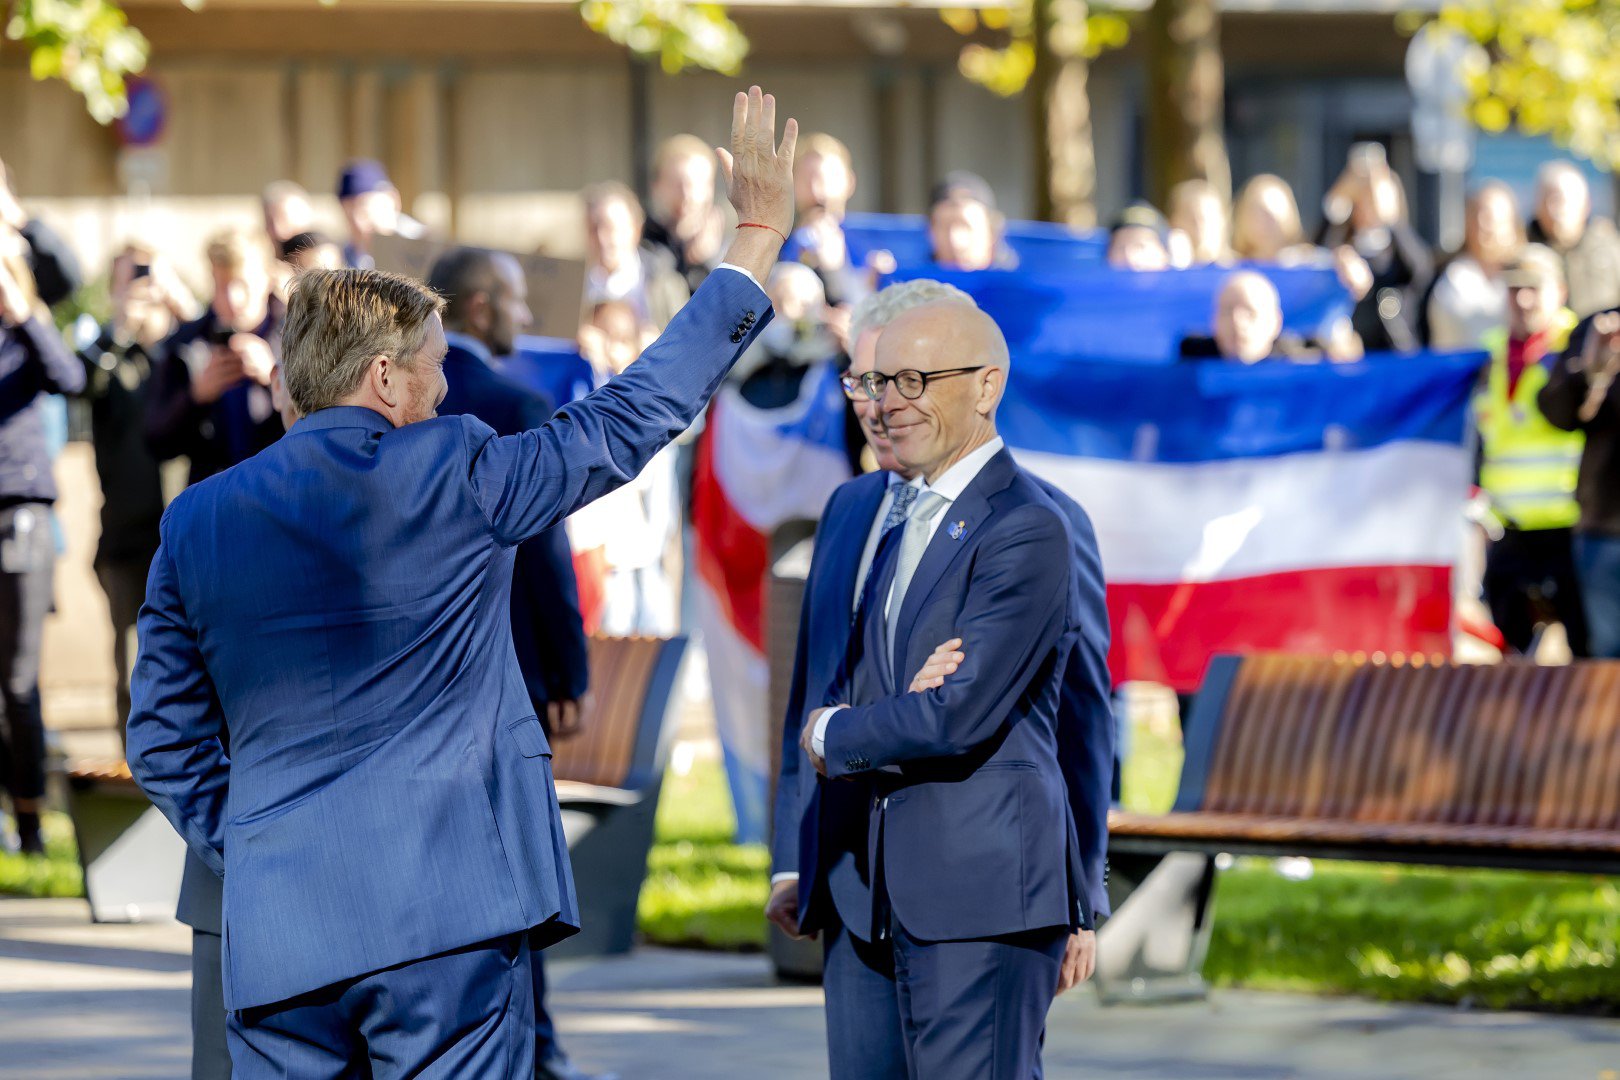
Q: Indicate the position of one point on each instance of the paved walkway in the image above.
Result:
(83, 1002)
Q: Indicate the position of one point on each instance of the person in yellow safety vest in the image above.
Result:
(1528, 467)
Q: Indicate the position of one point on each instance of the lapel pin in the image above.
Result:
(957, 529)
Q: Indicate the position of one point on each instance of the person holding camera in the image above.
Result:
(1367, 226)
(148, 302)
(210, 398)
(33, 363)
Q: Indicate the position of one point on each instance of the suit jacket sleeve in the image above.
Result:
(1085, 728)
(1013, 615)
(176, 724)
(785, 816)
(530, 481)
(547, 628)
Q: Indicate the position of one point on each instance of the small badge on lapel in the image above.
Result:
(957, 529)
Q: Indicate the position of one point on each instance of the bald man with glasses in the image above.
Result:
(923, 914)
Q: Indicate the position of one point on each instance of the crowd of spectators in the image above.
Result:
(172, 375)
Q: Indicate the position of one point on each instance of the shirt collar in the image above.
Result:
(457, 340)
(954, 480)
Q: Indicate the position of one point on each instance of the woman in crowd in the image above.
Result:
(33, 363)
(1199, 225)
(1470, 297)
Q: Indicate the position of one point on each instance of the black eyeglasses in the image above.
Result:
(911, 384)
(852, 386)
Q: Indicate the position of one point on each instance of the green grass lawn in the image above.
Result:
(1494, 939)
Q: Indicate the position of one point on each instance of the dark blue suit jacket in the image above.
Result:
(341, 604)
(546, 626)
(978, 837)
(820, 828)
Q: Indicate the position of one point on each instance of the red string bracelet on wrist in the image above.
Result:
(756, 225)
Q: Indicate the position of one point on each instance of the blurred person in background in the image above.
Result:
(311, 251)
(1249, 328)
(1580, 396)
(54, 267)
(486, 308)
(210, 394)
(1200, 226)
(1588, 244)
(118, 366)
(372, 207)
(1528, 467)
(964, 227)
(684, 219)
(287, 213)
(1365, 211)
(618, 266)
(1469, 300)
(629, 540)
(1266, 225)
(823, 184)
(33, 363)
(772, 373)
(1137, 240)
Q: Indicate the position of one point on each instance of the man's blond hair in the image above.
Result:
(338, 321)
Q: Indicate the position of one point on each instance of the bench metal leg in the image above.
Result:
(1153, 947)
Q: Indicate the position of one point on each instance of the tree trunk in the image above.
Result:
(1186, 137)
(1060, 119)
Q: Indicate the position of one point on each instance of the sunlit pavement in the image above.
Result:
(110, 1003)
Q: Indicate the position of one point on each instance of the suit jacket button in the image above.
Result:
(736, 335)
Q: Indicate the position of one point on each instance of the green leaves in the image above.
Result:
(1553, 70)
(1077, 30)
(88, 44)
(678, 33)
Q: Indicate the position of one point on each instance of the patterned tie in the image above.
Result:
(904, 496)
(912, 546)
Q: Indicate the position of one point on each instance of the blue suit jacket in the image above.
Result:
(546, 627)
(341, 604)
(820, 828)
(978, 837)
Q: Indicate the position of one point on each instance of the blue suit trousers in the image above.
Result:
(464, 1013)
(976, 1010)
(864, 1037)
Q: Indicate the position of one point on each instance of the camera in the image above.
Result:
(220, 336)
(141, 270)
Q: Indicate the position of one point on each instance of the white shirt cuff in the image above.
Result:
(789, 876)
(744, 273)
(818, 737)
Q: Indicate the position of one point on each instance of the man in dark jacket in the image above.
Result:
(210, 398)
(486, 307)
(1580, 396)
(55, 268)
(118, 371)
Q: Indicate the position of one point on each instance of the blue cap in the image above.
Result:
(362, 176)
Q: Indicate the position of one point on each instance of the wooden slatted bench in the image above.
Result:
(608, 781)
(1403, 760)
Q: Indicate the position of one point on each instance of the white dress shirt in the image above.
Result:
(950, 484)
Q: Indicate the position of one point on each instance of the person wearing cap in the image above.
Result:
(372, 207)
(1527, 466)
(964, 226)
(1139, 239)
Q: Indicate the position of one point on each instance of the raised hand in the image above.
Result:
(759, 181)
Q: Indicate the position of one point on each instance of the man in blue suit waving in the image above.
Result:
(973, 870)
(386, 821)
(820, 881)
